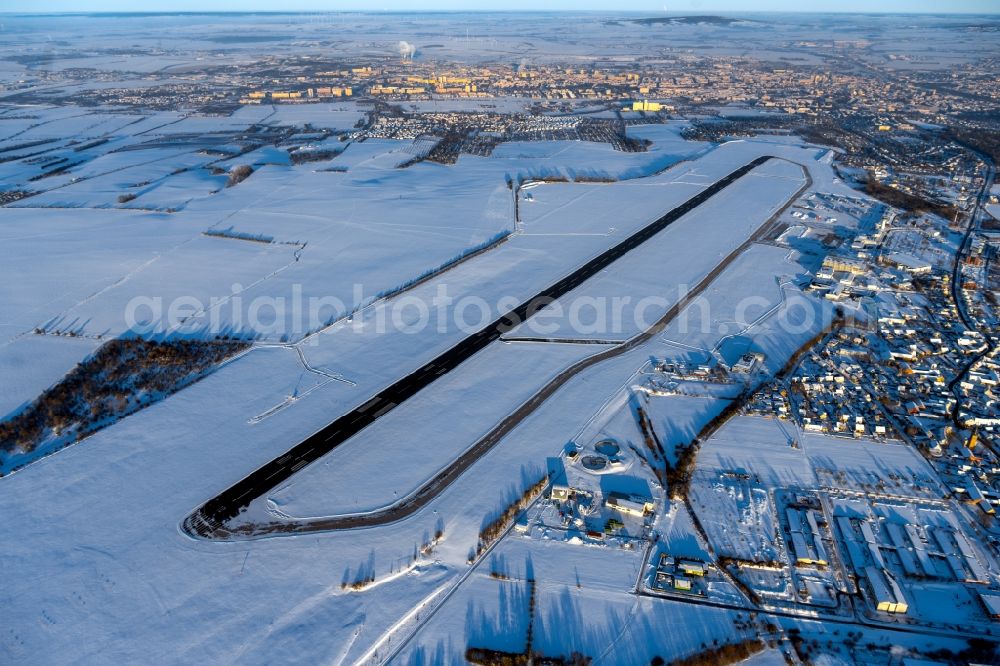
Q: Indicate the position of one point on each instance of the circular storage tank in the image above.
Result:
(608, 447)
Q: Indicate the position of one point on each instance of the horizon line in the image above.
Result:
(704, 12)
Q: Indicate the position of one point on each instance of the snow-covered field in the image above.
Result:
(33, 363)
(426, 433)
(765, 447)
(660, 272)
(583, 604)
(96, 567)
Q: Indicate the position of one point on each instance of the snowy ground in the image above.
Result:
(96, 567)
(764, 445)
(583, 604)
(657, 274)
(413, 442)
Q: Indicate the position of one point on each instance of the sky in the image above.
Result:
(650, 6)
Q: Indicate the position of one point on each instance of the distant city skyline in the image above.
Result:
(686, 6)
